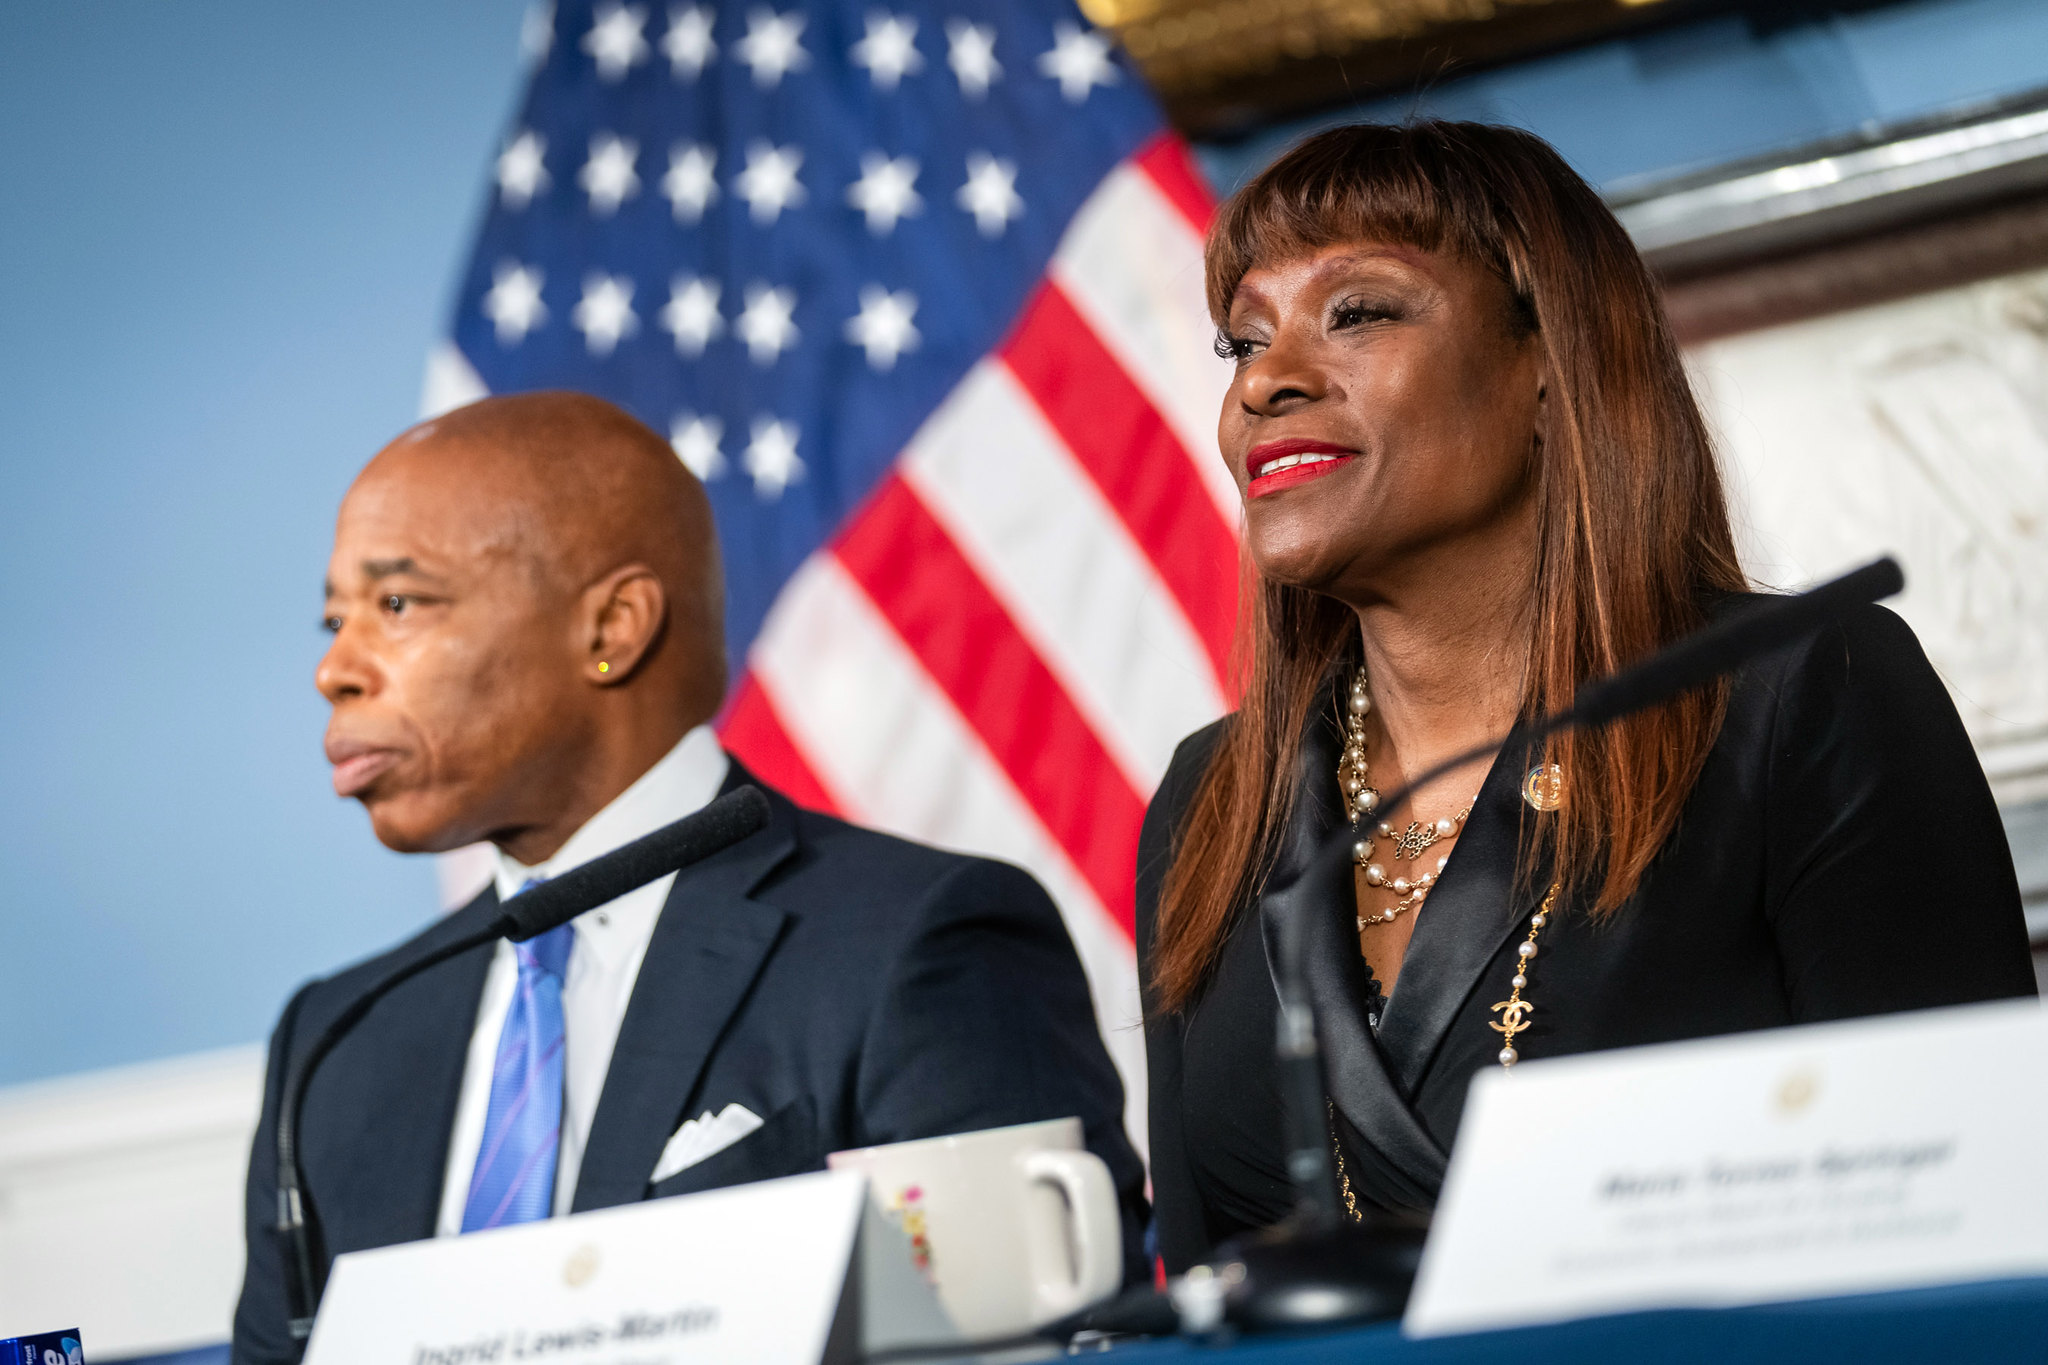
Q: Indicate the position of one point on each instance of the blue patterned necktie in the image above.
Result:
(515, 1167)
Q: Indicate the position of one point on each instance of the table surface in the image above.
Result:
(2004, 1320)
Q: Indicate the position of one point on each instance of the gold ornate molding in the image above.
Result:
(1219, 63)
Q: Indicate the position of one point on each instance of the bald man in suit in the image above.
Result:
(525, 600)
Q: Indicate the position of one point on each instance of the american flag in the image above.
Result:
(916, 291)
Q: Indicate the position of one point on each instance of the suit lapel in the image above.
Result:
(1317, 890)
(707, 948)
(1472, 911)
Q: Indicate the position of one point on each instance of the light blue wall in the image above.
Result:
(1697, 95)
(227, 231)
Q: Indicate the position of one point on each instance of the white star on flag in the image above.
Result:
(1078, 61)
(885, 191)
(766, 324)
(695, 440)
(971, 52)
(513, 303)
(889, 51)
(537, 32)
(990, 193)
(771, 457)
(689, 184)
(614, 41)
(522, 169)
(771, 48)
(882, 327)
(687, 44)
(691, 315)
(608, 177)
(605, 312)
(769, 183)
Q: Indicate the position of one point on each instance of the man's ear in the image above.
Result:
(622, 614)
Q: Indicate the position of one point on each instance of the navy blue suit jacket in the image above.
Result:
(848, 987)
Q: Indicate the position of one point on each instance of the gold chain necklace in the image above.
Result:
(1514, 1011)
(1514, 1018)
(1543, 790)
(1343, 1175)
(1361, 798)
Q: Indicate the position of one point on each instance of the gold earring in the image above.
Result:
(604, 668)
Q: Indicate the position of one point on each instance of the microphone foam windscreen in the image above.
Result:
(1701, 657)
(671, 848)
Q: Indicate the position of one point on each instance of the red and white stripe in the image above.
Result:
(1001, 647)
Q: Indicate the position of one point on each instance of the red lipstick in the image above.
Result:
(1283, 464)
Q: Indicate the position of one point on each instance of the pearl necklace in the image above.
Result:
(1361, 799)
(1514, 1011)
(1543, 790)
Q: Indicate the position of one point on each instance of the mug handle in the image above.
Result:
(1098, 1232)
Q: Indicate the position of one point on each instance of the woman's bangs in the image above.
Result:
(1304, 204)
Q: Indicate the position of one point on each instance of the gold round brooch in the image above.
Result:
(1543, 788)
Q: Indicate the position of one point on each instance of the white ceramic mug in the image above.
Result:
(1013, 1226)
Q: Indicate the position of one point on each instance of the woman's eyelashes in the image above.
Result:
(1231, 346)
(1346, 314)
(1357, 311)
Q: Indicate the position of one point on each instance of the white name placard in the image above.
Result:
(1797, 1163)
(797, 1271)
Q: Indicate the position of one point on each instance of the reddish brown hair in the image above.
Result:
(1633, 525)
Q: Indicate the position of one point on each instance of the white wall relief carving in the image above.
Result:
(1918, 427)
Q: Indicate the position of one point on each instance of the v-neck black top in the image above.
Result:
(1793, 890)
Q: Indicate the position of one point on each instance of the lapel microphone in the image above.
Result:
(727, 820)
(1317, 1268)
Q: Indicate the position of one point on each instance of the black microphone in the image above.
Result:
(555, 902)
(1751, 629)
(1707, 653)
(673, 847)
(1318, 1269)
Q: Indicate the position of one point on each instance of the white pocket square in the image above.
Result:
(702, 1137)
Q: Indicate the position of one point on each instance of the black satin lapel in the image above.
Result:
(1318, 890)
(1470, 913)
(707, 948)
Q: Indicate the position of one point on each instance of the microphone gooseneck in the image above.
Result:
(727, 820)
(1691, 662)
(1317, 1269)
(1743, 634)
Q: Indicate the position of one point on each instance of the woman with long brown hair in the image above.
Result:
(1475, 477)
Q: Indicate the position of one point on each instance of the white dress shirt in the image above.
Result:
(610, 943)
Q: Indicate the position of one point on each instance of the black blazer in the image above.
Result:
(848, 987)
(1840, 855)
